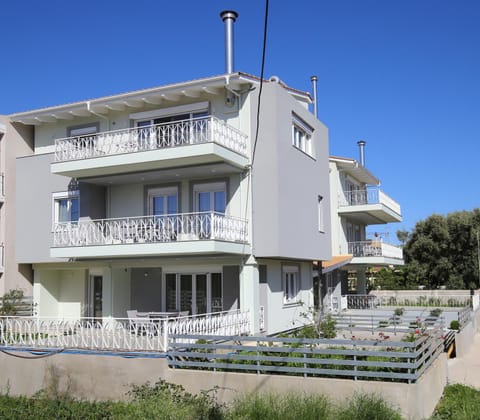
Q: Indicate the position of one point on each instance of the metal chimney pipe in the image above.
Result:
(361, 145)
(229, 17)
(314, 87)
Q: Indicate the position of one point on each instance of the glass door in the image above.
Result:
(186, 293)
(95, 297)
(201, 293)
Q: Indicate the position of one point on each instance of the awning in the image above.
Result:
(337, 261)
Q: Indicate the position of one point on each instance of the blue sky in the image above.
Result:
(401, 75)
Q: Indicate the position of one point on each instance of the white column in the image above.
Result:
(249, 292)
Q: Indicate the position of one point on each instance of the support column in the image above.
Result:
(249, 292)
(107, 293)
(361, 282)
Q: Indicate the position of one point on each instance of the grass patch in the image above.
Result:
(459, 402)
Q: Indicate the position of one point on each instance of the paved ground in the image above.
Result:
(466, 369)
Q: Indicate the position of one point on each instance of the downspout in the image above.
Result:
(89, 109)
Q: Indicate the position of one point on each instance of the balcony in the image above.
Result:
(369, 206)
(176, 234)
(191, 142)
(375, 253)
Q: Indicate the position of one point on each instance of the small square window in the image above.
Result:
(302, 136)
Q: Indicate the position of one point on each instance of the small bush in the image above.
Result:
(367, 407)
(9, 302)
(398, 311)
(436, 312)
(455, 325)
(328, 327)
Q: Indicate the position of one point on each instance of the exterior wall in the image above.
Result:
(287, 183)
(35, 186)
(282, 316)
(16, 141)
(121, 291)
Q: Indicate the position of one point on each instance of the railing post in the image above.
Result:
(165, 335)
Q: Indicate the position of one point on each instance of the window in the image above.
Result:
(302, 135)
(162, 201)
(290, 284)
(66, 207)
(210, 197)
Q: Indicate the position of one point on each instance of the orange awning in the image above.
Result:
(337, 261)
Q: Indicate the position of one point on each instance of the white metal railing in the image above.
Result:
(374, 248)
(118, 334)
(159, 136)
(370, 195)
(403, 298)
(147, 229)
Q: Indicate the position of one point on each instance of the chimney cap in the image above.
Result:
(313, 78)
(229, 14)
(361, 142)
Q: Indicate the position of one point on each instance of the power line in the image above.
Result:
(265, 27)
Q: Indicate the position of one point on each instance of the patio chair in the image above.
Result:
(139, 324)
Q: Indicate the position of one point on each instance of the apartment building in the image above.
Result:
(169, 199)
(357, 202)
(15, 140)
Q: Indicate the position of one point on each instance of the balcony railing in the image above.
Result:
(371, 195)
(154, 137)
(117, 334)
(374, 249)
(151, 229)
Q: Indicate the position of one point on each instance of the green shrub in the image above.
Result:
(455, 325)
(367, 407)
(398, 311)
(9, 302)
(328, 327)
(436, 312)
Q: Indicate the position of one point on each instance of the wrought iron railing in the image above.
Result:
(148, 229)
(374, 248)
(154, 137)
(377, 299)
(370, 195)
(117, 334)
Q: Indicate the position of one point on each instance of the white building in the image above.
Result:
(357, 202)
(163, 200)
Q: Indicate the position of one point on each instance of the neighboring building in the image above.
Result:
(356, 202)
(15, 140)
(152, 200)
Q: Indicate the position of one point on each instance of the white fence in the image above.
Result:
(160, 136)
(174, 227)
(419, 298)
(116, 334)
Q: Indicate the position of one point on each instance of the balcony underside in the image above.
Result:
(374, 261)
(204, 247)
(370, 214)
(166, 158)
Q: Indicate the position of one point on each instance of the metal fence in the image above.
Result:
(372, 301)
(384, 360)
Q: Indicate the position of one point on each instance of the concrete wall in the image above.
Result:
(287, 183)
(110, 377)
(465, 337)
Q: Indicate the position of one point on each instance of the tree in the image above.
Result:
(442, 251)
